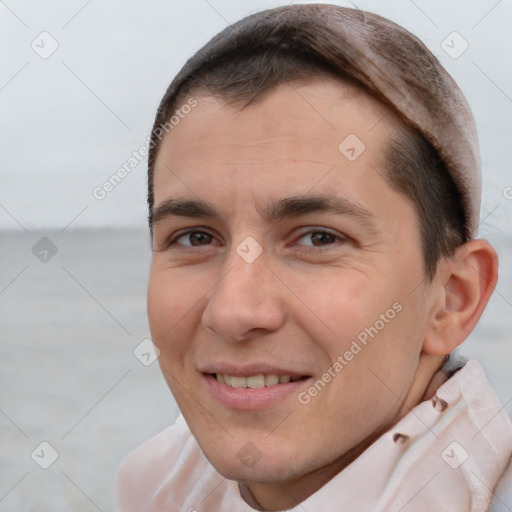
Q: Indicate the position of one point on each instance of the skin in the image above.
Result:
(303, 301)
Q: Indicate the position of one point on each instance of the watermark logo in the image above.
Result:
(249, 455)
(45, 45)
(454, 45)
(249, 249)
(44, 455)
(352, 147)
(146, 352)
(454, 455)
(44, 250)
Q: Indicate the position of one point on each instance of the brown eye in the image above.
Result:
(321, 238)
(194, 239)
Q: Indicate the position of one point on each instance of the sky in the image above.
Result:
(80, 81)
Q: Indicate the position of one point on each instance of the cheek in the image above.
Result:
(170, 304)
(338, 306)
(169, 314)
(387, 345)
(161, 305)
(371, 324)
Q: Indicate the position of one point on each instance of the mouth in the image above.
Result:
(255, 381)
(256, 391)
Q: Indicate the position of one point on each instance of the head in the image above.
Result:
(312, 198)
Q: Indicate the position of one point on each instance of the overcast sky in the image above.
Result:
(69, 119)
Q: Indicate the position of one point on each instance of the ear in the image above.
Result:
(462, 287)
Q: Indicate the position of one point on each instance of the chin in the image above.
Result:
(242, 460)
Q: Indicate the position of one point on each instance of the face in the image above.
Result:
(287, 304)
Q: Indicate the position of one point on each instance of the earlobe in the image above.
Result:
(467, 279)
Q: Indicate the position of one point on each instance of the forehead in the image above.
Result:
(289, 137)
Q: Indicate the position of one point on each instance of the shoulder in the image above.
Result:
(155, 465)
(502, 495)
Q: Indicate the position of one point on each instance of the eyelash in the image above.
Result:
(340, 238)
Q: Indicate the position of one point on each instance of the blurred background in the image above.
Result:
(80, 81)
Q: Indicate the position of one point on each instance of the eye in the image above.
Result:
(321, 238)
(195, 238)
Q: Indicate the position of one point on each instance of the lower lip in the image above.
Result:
(247, 399)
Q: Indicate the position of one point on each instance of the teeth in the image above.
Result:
(254, 381)
(238, 382)
(272, 380)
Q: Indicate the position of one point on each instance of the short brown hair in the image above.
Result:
(301, 41)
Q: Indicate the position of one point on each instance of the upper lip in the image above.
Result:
(249, 370)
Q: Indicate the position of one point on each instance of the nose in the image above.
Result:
(245, 303)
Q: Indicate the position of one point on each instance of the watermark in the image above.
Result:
(454, 455)
(249, 249)
(44, 455)
(249, 455)
(454, 45)
(351, 147)
(362, 338)
(44, 250)
(45, 45)
(507, 193)
(101, 191)
(146, 352)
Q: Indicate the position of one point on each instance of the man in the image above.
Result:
(314, 195)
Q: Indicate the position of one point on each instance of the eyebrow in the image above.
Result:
(275, 210)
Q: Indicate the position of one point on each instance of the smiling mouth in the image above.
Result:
(255, 381)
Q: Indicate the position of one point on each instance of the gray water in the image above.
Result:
(69, 377)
